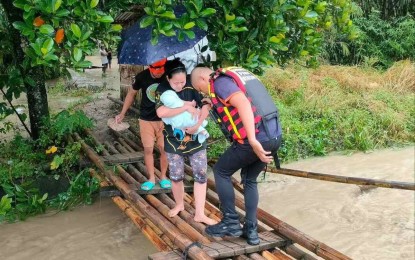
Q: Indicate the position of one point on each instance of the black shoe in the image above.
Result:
(249, 231)
(229, 226)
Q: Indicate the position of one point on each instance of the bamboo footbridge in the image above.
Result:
(121, 171)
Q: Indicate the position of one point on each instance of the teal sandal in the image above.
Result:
(165, 184)
(148, 185)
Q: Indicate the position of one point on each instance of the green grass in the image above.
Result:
(337, 108)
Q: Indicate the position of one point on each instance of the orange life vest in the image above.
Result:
(228, 115)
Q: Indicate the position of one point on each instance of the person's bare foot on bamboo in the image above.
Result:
(205, 219)
(174, 211)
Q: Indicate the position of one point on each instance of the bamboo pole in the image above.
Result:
(160, 233)
(257, 256)
(146, 229)
(276, 254)
(178, 222)
(344, 179)
(339, 178)
(173, 233)
(297, 253)
(135, 110)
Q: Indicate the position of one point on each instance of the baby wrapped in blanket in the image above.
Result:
(184, 120)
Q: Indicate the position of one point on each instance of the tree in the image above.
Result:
(388, 8)
(46, 33)
(256, 33)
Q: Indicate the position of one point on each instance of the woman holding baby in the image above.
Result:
(181, 143)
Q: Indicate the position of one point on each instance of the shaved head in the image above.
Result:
(200, 78)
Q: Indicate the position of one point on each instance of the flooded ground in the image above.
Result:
(362, 223)
(100, 231)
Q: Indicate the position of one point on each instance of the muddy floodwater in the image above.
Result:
(362, 223)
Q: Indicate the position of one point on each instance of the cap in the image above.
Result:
(158, 66)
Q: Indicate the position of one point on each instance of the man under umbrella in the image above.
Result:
(150, 124)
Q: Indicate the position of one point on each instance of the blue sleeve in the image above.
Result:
(225, 87)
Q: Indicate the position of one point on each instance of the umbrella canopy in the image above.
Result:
(136, 47)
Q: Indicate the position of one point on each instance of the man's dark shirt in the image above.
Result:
(148, 85)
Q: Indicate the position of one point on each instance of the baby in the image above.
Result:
(183, 120)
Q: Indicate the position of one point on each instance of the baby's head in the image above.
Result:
(170, 99)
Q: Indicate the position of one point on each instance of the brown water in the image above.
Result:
(369, 224)
(362, 223)
(100, 231)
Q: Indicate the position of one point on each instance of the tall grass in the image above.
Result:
(337, 108)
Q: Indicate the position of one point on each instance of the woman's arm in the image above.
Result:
(204, 113)
(164, 111)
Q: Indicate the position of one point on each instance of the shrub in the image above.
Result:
(380, 42)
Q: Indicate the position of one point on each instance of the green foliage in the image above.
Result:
(388, 9)
(80, 21)
(54, 35)
(23, 162)
(255, 34)
(217, 143)
(380, 42)
(64, 123)
(25, 201)
(80, 192)
(5, 206)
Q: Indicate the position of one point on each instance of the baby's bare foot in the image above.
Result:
(174, 211)
(205, 219)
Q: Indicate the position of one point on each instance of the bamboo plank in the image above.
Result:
(133, 109)
(233, 247)
(147, 230)
(276, 254)
(132, 157)
(297, 253)
(257, 256)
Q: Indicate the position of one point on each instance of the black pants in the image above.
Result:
(241, 156)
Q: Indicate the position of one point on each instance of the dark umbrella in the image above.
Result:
(136, 47)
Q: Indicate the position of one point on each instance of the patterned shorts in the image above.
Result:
(198, 162)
